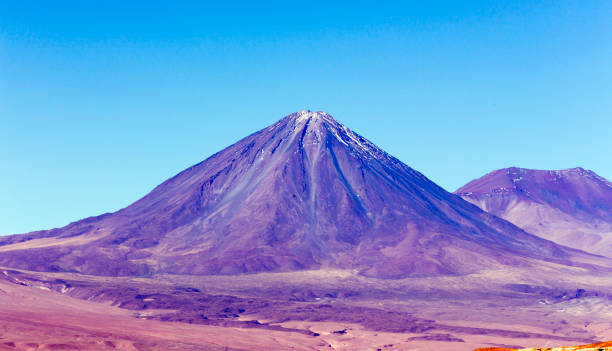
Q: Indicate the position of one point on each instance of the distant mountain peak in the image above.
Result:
(513, 179)
(570, 206)
(520, 170)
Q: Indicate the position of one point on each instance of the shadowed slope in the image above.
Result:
(304, 193)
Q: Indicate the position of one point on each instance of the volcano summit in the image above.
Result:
(303, 193)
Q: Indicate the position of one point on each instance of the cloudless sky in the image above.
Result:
(100, 101)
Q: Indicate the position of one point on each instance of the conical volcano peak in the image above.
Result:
(312, 121)
(303, 193)
(320, 128)
(308, 114)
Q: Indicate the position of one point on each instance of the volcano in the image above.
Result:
(572, 207)
(304, 193)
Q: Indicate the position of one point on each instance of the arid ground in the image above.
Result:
(309, 310)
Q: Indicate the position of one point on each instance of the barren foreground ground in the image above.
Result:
(600, 346)
(309, 310)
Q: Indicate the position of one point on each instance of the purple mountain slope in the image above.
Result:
(572, 207)
(304, 193)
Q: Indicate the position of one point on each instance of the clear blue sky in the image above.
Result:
(100, 101)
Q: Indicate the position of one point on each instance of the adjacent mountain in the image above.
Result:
(572, 207)
(304, 193)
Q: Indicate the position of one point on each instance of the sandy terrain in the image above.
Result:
(38, 319)
(604, 346)
(308, 310)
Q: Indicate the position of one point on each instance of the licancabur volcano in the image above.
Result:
(303, 193)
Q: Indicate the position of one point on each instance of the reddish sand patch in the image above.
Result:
(602, 346)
